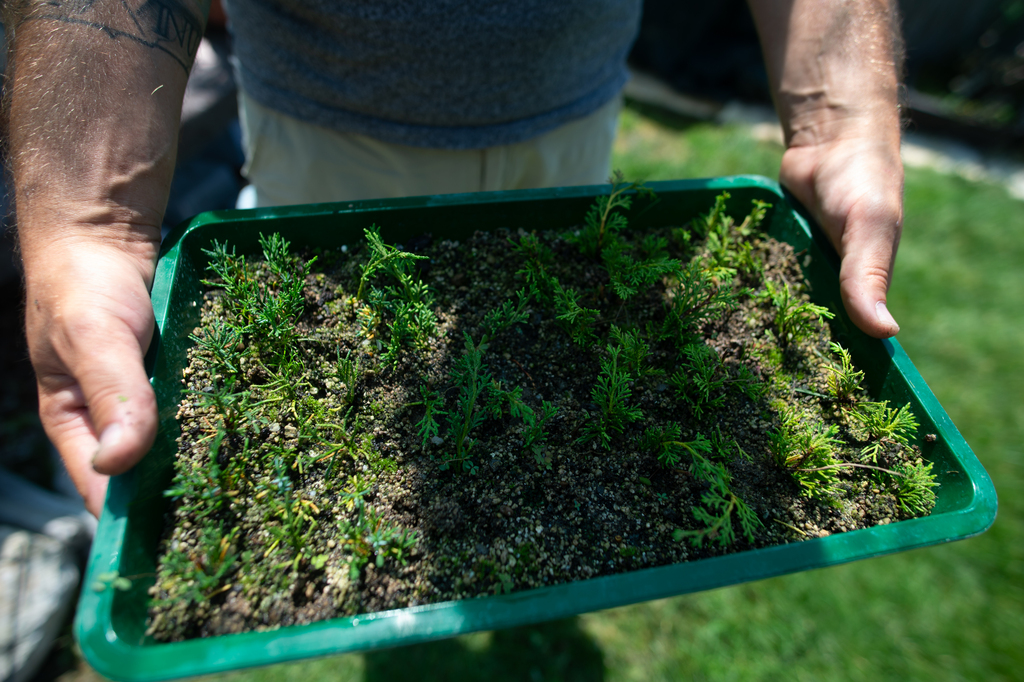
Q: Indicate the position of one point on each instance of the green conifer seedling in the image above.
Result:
(471, 376)
(611, 394)
(602, 223)
(885, 424)
(630, 275)
(636, 353)
(914, 483)
(794, 319)
(370, 537)
(808, 453)
(347, 372)
(671, 449)
(698, 297)
(263, 310)
(232, 273)
(843, 381)
(195, 578)
(700, 379)
(386, 258)
(408, 301)
(507, 314)
(534, 435)
(719, 503)
(575, 319)
(725, 244)
(428, 426)
(540, 285)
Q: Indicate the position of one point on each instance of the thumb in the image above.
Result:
(855, 191)
(99, 409)
(866, 271)
(120, 400)
(88, 321)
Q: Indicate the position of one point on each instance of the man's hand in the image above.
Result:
(834, 66)
(89, 321)
(95, 94)
(855, 189)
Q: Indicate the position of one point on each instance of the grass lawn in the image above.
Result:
(954, 612)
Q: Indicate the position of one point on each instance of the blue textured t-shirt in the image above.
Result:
(454, 74)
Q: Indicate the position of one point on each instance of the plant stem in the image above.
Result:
(845, 465)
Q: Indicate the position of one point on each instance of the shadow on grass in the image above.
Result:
(559, 650)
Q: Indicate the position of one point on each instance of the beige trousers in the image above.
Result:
(289, 161)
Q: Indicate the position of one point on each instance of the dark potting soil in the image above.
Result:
(311, 484)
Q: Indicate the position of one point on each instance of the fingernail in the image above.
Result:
(885, 317)
(110, 437)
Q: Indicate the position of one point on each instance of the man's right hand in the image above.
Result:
(95, 91)
(89, 321)
(834, 69)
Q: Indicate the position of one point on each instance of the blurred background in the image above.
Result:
(698, 106)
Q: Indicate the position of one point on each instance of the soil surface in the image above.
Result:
(323, 492)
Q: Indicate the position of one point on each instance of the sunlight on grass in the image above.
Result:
(943, 613)
(666, 149)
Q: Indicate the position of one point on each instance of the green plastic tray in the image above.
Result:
(110, 624)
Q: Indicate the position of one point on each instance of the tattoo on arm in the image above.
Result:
(174, 27)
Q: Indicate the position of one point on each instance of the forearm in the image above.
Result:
(834, 67)
(94, 105)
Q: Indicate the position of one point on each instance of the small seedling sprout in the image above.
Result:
(577, 320)
(636, 353)
(700, 378)
(408, 302)
(603, 223)
(428, 427)
(386, 258)
(843, 380)
(536, 259)
(611, 394)
(726, 244)
(370, 537)
(471, 376)
(347, 372)
(507, 314)
(886, 425)
(914, 483)
(630, 276)
(194, 578)
(794, 319)
(699, 296)
(221, 342)
(718, 502)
